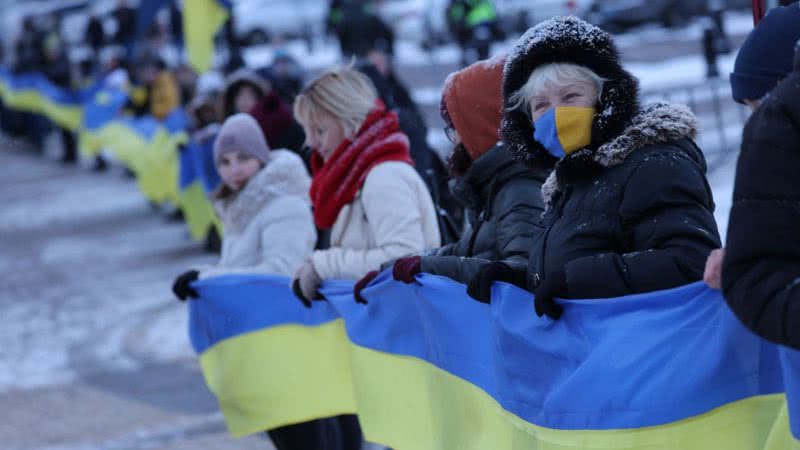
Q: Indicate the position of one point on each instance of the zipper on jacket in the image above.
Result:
(482, 217)
(475, 230)
(536, 277)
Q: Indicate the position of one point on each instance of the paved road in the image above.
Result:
(93, 353)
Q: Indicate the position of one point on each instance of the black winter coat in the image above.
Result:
(504, 198)
(95, 34)
(126, 25)
(633, 216)
(761, 270)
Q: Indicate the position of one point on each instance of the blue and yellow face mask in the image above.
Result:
(564, 129)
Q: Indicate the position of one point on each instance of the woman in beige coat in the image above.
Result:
(364, 190)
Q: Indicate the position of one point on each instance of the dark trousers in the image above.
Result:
(319, 434)
(35, 128)
(333, 433)
(70, 146)
(350, 430)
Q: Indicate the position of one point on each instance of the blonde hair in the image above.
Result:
(343, 93)
(555, 73)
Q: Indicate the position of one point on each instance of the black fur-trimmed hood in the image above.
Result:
(567, 40)
(657, 123)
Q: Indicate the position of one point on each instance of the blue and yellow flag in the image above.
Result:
(430, 368)
(148, 147)
(34, 93)
(198, 179)
(273, 365)
(102, 109)
(202, 19)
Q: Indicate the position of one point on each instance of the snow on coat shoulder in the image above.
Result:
(268, 225)
(391, 217)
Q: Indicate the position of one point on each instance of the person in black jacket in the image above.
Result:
(502, 196)
(29, 47)
(764, 59)
(95, 35)
(58, 70)
(761, 268)
(125, 16)
(358, 27)
(628, 208)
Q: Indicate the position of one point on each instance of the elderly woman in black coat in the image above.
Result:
(628, 208)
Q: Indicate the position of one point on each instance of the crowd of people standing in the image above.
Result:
(573, 187)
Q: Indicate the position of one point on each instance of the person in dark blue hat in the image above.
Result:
(761, 267)
(766, 55)
(763, 61)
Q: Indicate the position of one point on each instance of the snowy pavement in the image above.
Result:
(94, 352)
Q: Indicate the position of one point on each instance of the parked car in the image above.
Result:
(257, 21)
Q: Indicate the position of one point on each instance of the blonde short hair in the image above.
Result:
(343, 93)
(555, 73)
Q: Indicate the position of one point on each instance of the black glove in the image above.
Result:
(299, 293)
(305, 285)
(480, 286)
(555, 285)
(181, 287)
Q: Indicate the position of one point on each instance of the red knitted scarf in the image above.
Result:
(337, 180)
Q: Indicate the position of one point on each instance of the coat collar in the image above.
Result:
(655, 124)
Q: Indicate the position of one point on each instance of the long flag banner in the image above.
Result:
(198, 180)
(426, 367)
(148, 147)
(34, 93)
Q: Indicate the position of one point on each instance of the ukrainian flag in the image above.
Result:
(430, 368)
(273, 365)
(198, 179)
(146, 146)
(103, 108)
(156, 162)
(34, 93)
(201, 21)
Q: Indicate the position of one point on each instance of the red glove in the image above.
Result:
(406, 268)
(361, 284)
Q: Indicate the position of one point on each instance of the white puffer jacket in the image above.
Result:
(391, 217)
(269, 227)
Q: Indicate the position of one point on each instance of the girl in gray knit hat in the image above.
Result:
(264, 207)
(263, 204)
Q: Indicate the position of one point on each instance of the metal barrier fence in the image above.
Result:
(722, 120)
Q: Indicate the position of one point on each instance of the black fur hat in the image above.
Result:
(567, 40)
